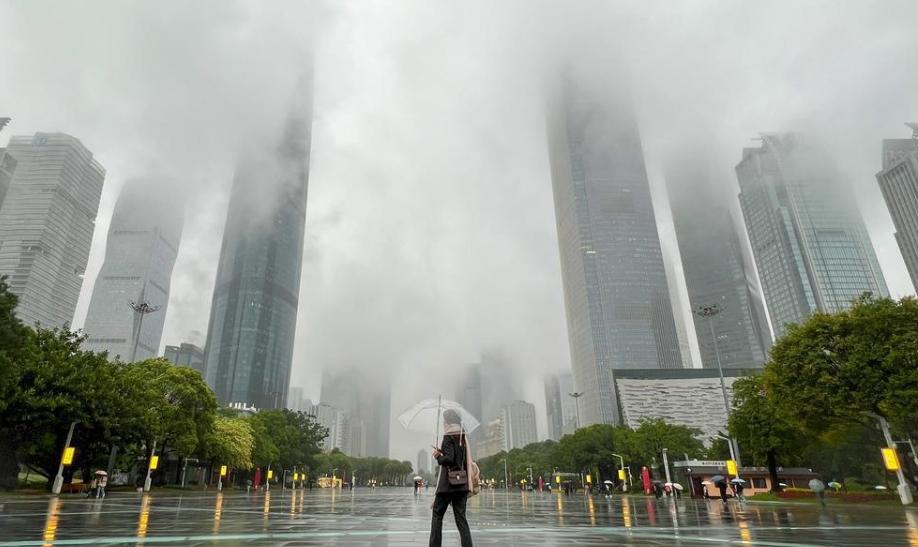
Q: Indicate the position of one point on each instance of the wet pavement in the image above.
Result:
(396, 517)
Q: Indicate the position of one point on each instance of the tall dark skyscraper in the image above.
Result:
(619, 314)
(899, 183)
(253, 316)
(810, 244)
(716, 272)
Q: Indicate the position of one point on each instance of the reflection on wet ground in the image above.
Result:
(396, 517)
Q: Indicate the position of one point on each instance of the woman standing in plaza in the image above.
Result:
(453, 482)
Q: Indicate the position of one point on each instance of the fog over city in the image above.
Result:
(430, 226)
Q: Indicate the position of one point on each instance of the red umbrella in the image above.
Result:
(645, 478)
(257, 477)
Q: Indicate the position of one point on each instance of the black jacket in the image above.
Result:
(453, 457)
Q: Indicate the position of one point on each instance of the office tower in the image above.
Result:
(899, 183)
(616, 295)
(367, 406)
(485, 387)
(249, 351)
(186, 355)
(492, 439)
(518, 422)
(128, 306)
(7, 166)
(295, 399)
(560, 405)
(335, 421)
(423, 461)
(716, 272)
(46, 224)
(808, 238)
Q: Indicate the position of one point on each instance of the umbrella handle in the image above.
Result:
(437, 430)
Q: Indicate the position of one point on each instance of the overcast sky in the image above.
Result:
(430, 226)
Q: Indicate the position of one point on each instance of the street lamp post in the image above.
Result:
(577, 395)
(666, 464)
(621, 460)
(148, 481)
(708, 312)
(141, 309)
(905, 494)
(59, 478)
(506, 477)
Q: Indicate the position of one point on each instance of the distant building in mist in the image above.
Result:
(899, 183)
(808, 238)
(296, 401)
(186, 355)
(485, 387)
(715, 268)
(336, 422)
(46, 224)
(518, 424)
(423, 465)
(491, 440)
(619, 314)
(249, 351)
(142, 245)
(367, 407)
(559, 405)
(7, 166)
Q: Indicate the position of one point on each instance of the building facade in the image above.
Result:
(367, 407)
(7, 166)
(715, 266)
(616, 295)
(186, 355)
(249, 351)
(560, 406)
(518, 424)
(899, 183)
(335, 421)
(689, 397)
(142, 245)
(808, 238)
(46, 225)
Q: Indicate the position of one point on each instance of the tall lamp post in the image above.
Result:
(709, 312)
(622, 462)
(577, 395)
(141, 309)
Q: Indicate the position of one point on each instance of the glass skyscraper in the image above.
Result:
(808, 238)
(899, 183)
(250, 339)
(46, 224)
(619, 314)
(715, 268)
(142, 246)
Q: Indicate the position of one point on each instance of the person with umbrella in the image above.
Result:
(721, 483)
(453, 483)
(738, 485)
(101, 483)
(819, 488)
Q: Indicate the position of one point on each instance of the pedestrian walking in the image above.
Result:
(101, 483)
(722, 486)
(453, 484)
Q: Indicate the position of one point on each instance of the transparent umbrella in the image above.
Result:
(427, 415)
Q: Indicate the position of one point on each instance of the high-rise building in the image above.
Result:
(295, 399)
(899, 184)
(491, 440)
(810, 245)
(715, 268)
(46, 224)
(367, 406)
(518, 422)
(249, 351)
(7, 166)
(143, 241)
(616, 295)
(335, 421)
(186, 355)
(560, 405)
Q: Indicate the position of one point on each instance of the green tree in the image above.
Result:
(14, 336)
(60, 383)
(646, 444)
(765, 427)
(834, 368)
(178, 408)
(230, 443)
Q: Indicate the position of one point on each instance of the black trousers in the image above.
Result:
(441, 503)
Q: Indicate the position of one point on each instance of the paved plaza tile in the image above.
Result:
(396, 517)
